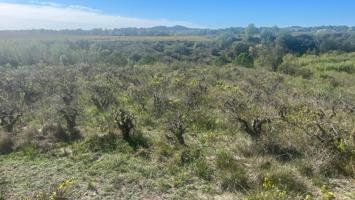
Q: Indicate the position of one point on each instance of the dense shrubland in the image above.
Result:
(250, 46)
(260, 116)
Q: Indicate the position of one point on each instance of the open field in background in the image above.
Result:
(148, 38)
(46, 37)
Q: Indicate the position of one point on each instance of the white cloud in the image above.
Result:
(46, 15)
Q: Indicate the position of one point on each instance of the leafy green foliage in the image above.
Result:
(244, 59)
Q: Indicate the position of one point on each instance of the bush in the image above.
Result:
(102, 96)
(163, 151)
(6, 143)
(244, 59)
(334, 165)
(177, 127)
(285, 179)
(147, 60)
(221, 60)
(138, 140)
(74, 134)
(347, 67)
(281, 151)
(118, 59)
(203, 170)
(125, 122)
(190, 155)
(305, 168)
(225, 161)
(9, 116)
(70, 114)
(296, 71)
(234, 181)
(27, 137)
(106, 144)
(233, 175)
(56, 132)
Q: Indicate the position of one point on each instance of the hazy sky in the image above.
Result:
(62, 14)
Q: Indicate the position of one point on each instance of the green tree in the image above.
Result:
(270, 56)
(117, 58)
(221, 60)
(244, 59)
(267, 36)
(250, 31)
(240, 47)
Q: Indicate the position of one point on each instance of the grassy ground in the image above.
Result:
(120, 176)
(100, 176)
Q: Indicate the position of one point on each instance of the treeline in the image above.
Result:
(18, 53)
(269, 46)
(177, 30)
(249, 47)
(154, 31)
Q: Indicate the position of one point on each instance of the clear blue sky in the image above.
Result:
(227, 13)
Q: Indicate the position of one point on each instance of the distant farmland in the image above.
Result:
(38, 36)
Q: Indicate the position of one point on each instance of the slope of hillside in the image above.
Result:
(226, 118)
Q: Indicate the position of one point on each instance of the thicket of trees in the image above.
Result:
(250, 46)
